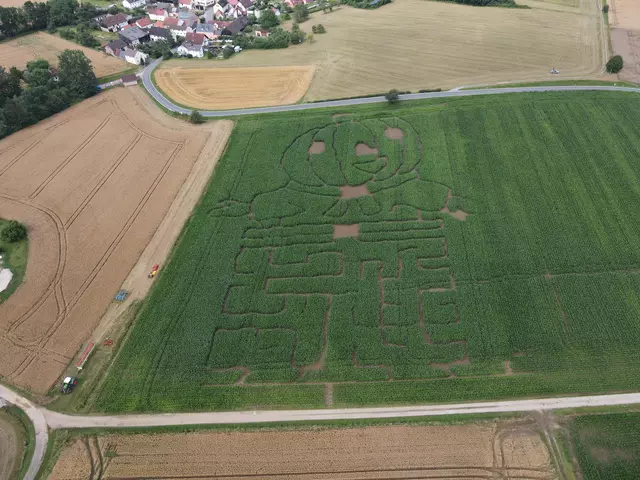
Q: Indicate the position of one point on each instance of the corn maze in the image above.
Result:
(478, 249)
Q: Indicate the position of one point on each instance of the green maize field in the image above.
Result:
(607, 446)
(484, 248)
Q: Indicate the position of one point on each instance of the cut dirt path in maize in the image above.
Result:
(416, 44)
(19, 51)
(243, 87)
(93, 186)
(486, 450)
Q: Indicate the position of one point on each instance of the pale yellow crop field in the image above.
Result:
(418, 44)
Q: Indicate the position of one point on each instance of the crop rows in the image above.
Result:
(491, 250)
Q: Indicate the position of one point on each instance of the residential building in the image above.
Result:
(129, 80)
(135, 56)
(133, 36)
(157, 14)
(202, 4)
(113, 23)
(236, 26)
(206, 30)
(184, 4)
(133, 4)
(157, 33)
(179, 31)
(189, 48)
(144, 22)
(261, 33)
(115, 47)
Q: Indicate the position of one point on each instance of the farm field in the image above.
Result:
(12, 446)
(19, 51)
(439, 45)
(483, 248)
(244, 87)
(608, 445)
(92, 185)
(396, 452)
(624, 16)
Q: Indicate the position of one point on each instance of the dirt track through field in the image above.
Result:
(487, 450)
(92, 185)
(19, 51)
(222, 88)
(416, 44)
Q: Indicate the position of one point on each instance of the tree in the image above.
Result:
(38, 77)
(14, 115)
(62, 12)
(300, 13)
(86, 13)
(605, 8)
(314, 29)
(14, 232)
(321, 28)
(58, 99)
(196, 117)
(297, 36)
(34, 99)
(268, 19)
(38, 64)
(13, 21)
(392, 96)
(76, 73)
(37, 14)
(9, 86)
(311, 38)
(286, 16)
(615, 64)
(227, 52)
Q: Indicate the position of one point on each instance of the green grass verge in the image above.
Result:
(552, 83)
(21, 420)
(607, 446)
(14, 258)
(545, 264)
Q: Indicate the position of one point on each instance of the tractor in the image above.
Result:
(69, 384)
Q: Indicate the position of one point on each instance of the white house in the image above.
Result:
(134, 56)
(131, 4)
(202, 4)
(156, 14)
(188, 48)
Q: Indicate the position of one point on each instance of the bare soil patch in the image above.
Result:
(393, 133)
(350, 191)
(624, 16)
(393, 452)
(19, 51)
(316, 147)
(364, 149)
(341, 231)
(93, 186)
(480, 46)
(243, 87)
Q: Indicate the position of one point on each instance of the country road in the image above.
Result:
(169, 105)
(41, 417)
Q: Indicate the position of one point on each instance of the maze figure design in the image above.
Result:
(343, 272)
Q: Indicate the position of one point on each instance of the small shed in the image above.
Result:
(129, 80)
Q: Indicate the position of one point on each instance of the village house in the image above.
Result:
(185, 4)
(208, 30)
(202, 4)
(157, 14)
(115, 47)
(144, 22)
(236, 26)
(157, 33)
(129, 80)
(113, 23)
(189, 48)
(134, 56)
(133, 4)
(133, 36)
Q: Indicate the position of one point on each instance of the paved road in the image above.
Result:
(169, 105)
(41, 417)
(35, 413)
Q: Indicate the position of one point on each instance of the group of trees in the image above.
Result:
(300, 13)
(368, 3)
(278, 38)
(158, 48)
(44, 93)
(14, 231)
(51, 15)
(82, 35)
(318, 28)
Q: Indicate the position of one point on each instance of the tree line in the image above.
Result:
(28, 96)
(35, 16)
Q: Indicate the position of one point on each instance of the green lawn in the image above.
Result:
(608, 446)
(14, 257)
(535, 293)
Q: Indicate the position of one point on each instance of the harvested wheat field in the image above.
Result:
(439, 45)
(624, 16)
(243, 87)
(19, 51)
(503, 450)
(92, 185)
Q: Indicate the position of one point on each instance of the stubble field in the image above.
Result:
(505, 450)
(19, 51)
(483, 248)
(417, 44)
(228, 88)
(92, 185)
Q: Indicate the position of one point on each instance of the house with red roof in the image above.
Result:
(157, 14)
(144, 22)
(184, 4)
